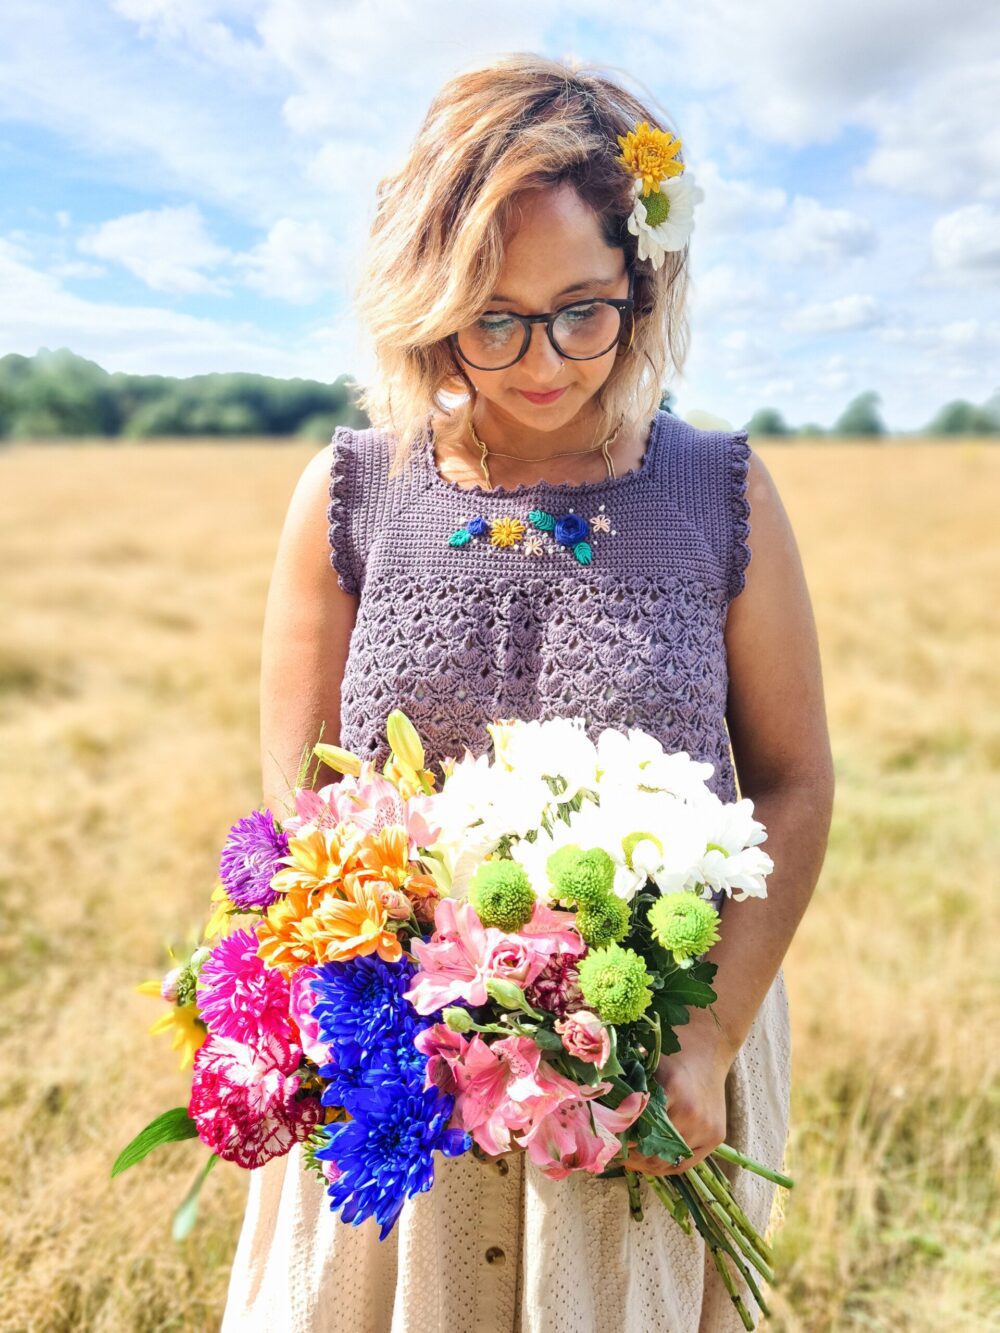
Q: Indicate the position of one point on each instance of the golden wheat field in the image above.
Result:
(134, 580)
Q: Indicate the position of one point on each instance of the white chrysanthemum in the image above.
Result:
(673, 232)
(555, 747)
(638, 759)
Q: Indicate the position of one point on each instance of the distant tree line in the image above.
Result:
(861, 417)
(58, 394)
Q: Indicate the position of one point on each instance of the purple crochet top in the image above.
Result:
(605, 600)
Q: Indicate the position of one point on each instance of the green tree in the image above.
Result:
(767, 421)
(861, 416)
(963, 418)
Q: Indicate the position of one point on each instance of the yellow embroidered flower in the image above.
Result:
(506, 531)
(650, 155)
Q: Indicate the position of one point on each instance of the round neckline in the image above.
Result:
(564, 487)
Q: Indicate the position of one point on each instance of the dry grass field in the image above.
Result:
(134, 580)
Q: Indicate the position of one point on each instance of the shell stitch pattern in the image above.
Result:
(338, 512)
(740, 509)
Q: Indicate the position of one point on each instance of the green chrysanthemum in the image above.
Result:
(684, 923)
(615, 983)
(502, 895)
(581, 877)
(603, 921)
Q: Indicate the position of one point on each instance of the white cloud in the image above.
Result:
(200, 28)
(842, 315)
(732, 206)
(968, 241)
(296, 262)
(145, 339)
(723, 289)
(167, 248)
(814, 233)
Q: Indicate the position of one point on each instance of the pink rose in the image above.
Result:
(585, 1036)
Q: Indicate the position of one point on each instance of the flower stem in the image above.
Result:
(634, 1196)
(758, 1168)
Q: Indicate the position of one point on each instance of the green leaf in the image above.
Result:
(170, 1127)
(460, 537)
(546, 1040)
(545, 522)
(583, 553)
(683, 987)
(187, 1213)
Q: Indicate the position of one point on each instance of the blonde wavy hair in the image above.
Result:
(436, 244)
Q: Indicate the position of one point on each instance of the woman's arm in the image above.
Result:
(307, 629)
(777, 725)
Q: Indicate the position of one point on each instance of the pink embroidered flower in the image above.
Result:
(573, 1132)
(301, 1001)
(239, 996)
(243, 1099)
(585, 1036)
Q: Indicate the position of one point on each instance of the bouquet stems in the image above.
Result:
(702, 1195)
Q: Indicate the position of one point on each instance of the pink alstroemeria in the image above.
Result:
(463, 953)
(368, 801)
(445, 1050)
(573, 1132)
(498, 1088)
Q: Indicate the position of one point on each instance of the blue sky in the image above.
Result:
(185, 185)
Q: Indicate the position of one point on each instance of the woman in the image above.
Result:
(449, 602)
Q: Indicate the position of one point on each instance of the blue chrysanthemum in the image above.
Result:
(250, 858)
(359, 1003)
(385, 1153)
(397, 1059)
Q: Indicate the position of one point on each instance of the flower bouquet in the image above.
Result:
(495, 964)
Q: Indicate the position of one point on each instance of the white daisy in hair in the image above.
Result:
(665, 195)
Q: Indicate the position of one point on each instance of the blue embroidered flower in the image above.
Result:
(570, 529)
(478, 526)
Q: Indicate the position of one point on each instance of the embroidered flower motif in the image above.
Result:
(507, 531)
(554, 534)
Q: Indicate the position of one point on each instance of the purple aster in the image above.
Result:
(251, 858)
(240, 997)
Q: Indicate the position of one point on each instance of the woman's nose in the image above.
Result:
(541, 359)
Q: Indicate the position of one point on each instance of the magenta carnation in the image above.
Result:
(243, 1099)
(556, 989)
(239, 996)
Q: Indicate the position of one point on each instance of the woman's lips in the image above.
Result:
(549, 397)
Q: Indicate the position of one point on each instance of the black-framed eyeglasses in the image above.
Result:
(579, 331)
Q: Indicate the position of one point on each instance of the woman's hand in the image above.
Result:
(694, 1080)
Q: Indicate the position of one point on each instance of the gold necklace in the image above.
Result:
(592, 448)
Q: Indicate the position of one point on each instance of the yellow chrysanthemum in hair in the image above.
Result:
(650, 154)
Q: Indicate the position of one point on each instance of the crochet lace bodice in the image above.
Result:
(605, 599)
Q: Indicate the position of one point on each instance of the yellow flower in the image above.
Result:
(650, 154)
(220, 916)
(320, 857)
(187, 1030)
(506, 531)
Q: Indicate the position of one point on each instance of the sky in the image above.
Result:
(186, 185)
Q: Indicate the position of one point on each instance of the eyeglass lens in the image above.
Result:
(582, 330)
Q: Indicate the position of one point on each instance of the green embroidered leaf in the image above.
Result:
(459, 537)
(542, 520)
(583, 553)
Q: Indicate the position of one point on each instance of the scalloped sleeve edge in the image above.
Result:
(739, 511)
(338, 513)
